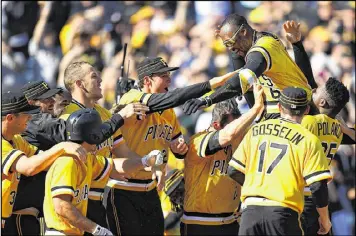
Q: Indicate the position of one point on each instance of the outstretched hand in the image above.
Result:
(192, 105)
(293, 32)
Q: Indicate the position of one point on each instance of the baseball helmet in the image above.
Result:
(84, 125)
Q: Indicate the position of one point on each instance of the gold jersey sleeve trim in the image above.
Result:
(9, 160)
(264, 53)
(118, 140)
(317, 176)
(106, 170)
(59, 190)
(204, 144)
(144, 98)
(238, 165)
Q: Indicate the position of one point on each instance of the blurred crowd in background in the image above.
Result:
(40, 39)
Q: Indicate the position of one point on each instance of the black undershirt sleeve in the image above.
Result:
(236, 175)
(302, 60)
(176, 97)
(255, 62)
(213, 144)
(320, 195)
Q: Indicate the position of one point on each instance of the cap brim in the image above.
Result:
(166, 69)
(49, 93)
(31, 110)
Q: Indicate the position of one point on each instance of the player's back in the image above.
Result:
(327, 129)
(281, 72)
(279, 154)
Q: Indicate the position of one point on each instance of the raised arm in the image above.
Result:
(294, 36)
(238, 85)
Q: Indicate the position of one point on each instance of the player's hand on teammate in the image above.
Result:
(192, 105)
(293, 34)
(133, 109)
(74, 149)
(325, 226)
(259, 97)
(179, 146)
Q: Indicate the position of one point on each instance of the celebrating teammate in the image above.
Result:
(266, 59)
(211, 197)
(68, 181)
(274, 162)
(15, 152)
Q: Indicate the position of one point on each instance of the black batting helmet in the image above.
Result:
(84, 125)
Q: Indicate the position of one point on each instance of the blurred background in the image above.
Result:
(40, 39)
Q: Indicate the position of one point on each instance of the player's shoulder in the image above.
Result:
(199, 138)
(68, 110)
(310, 119)
(134, 95)
(267, 39)
(101, 110)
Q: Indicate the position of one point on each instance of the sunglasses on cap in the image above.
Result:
(230, 42)
(163, 74)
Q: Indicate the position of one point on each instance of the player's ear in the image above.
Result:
(146, 80)
(322, 102)
(216, 125)
(279, 107)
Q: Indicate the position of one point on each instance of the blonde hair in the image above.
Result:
(73, 73)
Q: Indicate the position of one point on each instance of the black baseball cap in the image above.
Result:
(294, 99)
(37, 90)
(153, 65)
(16, 102)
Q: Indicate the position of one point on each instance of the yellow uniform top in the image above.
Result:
(281, 71)
(72, 177)
(155, 132)
(279, 158)
(104, 149)
(328, 130)
(211, 196)
(10, 152)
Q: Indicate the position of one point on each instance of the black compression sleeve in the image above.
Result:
(236, 175)
(319, 191)
(302, 60)
(213, 144)
(176, 97)
(255, 62)
(347, 140)
(109, 127)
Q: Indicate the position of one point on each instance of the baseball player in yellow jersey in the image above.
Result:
(68, 182)
(266, 59)
(274, 162)
(212, 198)
(15, 113)
(159, 130)
(329, 98)
(84, 83)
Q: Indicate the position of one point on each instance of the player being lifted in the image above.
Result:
(266, 59)
(274, 162)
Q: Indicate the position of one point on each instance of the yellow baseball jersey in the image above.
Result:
(329, 132)
(10, 152)
(281, 71)
(155, 132)
(279, 158)
(71, 177)
(211, 196)
(104, 149)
